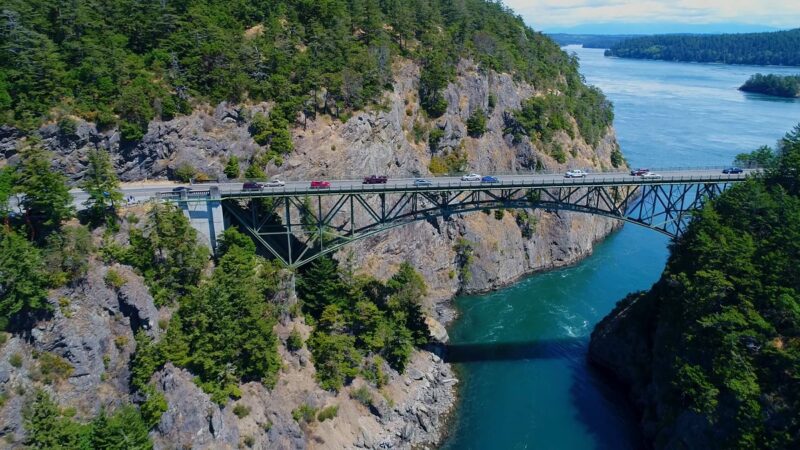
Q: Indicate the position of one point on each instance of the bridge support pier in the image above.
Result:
(205, 217)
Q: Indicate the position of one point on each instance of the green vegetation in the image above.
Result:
(362, 395)
(241, 411)
(305, 413)
(51, 368)
(356, 317)
(722, 326)
(67, 254)
(24, 281)
(48, 427)
(777, 48)
(776, 85)
(222, 330)
(476, 124)
(328, 412)
(124, 63)
(294, 342)
(465, 253)
(102, 185)
(166, 253)
(761, 157)
(232, 170)
(47, 200)
(542, 116)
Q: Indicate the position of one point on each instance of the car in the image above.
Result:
(422, 182)
(471, 177)
(274, 183)
(651, 176)
(375, 179)
(316, 184)
(252, 186)
(732, 170)
(639, 172)
(575, 173)
(489, 179)
(180, 189)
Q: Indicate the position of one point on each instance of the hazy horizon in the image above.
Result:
(657, 16)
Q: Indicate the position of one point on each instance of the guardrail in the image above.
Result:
(409, 186)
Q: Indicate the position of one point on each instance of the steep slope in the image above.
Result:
(711, 353)
(297, 89)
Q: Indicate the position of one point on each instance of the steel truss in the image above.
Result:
(296, 229)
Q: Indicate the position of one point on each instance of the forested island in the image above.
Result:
(779, 48)
(712, 352)
(775, 85)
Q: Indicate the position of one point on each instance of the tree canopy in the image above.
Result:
(778, 48)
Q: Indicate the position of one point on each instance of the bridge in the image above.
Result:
(297, 224)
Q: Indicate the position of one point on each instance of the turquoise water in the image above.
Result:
(521, 351)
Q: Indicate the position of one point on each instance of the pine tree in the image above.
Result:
(102, 185)
(23, 281)
(47, 201)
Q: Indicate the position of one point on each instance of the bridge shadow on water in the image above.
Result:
(600, 403)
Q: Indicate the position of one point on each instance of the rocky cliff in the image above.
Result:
(97, 339)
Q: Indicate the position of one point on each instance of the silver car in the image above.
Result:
(471, 177)
(274, 183)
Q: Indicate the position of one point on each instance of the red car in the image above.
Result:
(639, 172)
(320, 184)
(375, 179)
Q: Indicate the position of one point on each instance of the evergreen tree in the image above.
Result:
(47, 429)
(47, 201)
(23, 281)
(232, 169)
(102, 185)
(124, 430)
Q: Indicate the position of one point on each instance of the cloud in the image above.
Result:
(559, 13)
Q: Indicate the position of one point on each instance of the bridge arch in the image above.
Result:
(296, 229)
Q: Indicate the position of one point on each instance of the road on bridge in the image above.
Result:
(141, 192)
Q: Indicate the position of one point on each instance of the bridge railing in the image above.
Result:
(407, 185)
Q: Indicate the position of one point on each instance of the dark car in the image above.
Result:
(639, 172)
(375, 179)
(316, 184)
(732, 170)
(252, 186)
(489, 179)
(180, 189)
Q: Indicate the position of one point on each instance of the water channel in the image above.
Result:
(525, 381)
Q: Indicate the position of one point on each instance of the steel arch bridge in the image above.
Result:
(298, 224)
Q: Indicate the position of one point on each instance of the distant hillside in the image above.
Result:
(590, 40)
(781, 48)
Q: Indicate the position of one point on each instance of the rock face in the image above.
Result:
(94, 331)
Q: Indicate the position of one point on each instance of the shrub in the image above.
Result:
(362, 395)
(249, 441)
(15, 360)
(294, 342)
(114, 279)
(232, 169)
(185, 172)
(492, 101)
(241, 410)
(305, 413)
(617, 160)
(476, 124)
(499, 214)
(3, 337)
(68, 126)
(328, 413)
(121, 341)
(434, 137)
(153, 407)
(558, 154)
(53, 367)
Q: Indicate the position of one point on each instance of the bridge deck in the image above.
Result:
(438, 184)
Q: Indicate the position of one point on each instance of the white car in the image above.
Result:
(274, 183)
(575, 173)
(651, 176)
(471, 177)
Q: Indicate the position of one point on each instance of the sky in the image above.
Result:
(670, 16)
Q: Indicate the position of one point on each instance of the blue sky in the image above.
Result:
(609, 16)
